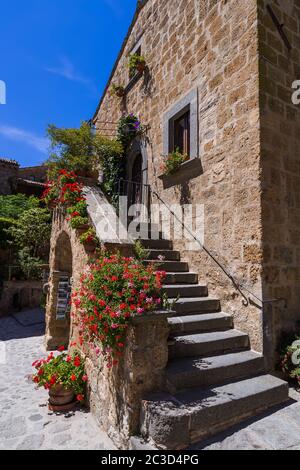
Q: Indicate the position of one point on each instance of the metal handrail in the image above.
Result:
(237, 284)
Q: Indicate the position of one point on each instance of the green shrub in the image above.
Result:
(13, 206)
(33, 231)
(30, 265)
(78, 222)
(6, 239)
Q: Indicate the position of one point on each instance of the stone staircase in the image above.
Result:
(213, 378)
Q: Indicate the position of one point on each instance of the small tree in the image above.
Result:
(84, 152)
(73, 150)
(33, 231)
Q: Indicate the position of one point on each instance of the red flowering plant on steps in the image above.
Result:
(63, 370)
(68, 192)
(64, 190)
(113, 290)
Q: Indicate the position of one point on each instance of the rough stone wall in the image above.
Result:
(114, 395)
(17, 295)
(34, 173)
(212, 46)
(8, 176)
(280, 156)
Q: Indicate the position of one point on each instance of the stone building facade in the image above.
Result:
(8, 176)
(229, 66)
(227, 61)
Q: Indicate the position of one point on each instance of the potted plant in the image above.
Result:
(290, 360)
(89, 238)
(117, 90)
(173, 162)
(64, 377)
(136, 64)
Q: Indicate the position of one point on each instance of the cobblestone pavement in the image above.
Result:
(25, 421)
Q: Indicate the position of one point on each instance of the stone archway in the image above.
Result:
(58, 302)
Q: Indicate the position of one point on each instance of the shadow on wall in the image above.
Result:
(19, 295)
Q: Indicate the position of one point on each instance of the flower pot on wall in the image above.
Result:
(60, 396)
(120, 93)
(140, 67)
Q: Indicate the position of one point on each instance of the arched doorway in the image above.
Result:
(58, 305)
(137, 189)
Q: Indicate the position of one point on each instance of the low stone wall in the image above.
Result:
(17, 295)
(115, 395)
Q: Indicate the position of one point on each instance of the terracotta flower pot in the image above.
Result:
(82, 229)
(52, 205)
(140, 67)
(60, 396)
(120, 93)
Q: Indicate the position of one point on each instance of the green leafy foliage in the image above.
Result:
(90, 236)
(33, 231)
(114, 290)
(136, 63)
(5, 237)
(174, 161)
(290, 360)
(65, 370)
(30, 265)
(13, 206)
(140, 252)
(117, 90)
(72, 149)
(78, 222)
(129, 127)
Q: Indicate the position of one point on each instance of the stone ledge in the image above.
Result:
(188, 170)
(149, 316)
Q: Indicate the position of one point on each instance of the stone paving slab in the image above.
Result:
(279, 429)
(25, 421)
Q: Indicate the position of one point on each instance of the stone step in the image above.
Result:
(200, 323)
(181, 278)
(195, 305)
(176, 421)
(185, 290)
(157, 244)
(207, 371)
(208, 344)
(143, 230)
(168, 255)
(170, 266)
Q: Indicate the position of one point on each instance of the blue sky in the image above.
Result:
(55, 58)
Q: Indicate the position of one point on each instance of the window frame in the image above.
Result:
(188, 102)
(173, 145)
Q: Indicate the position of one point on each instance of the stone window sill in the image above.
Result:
(187, 171)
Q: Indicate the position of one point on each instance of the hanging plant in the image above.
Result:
(129, 128)
(117, 90)
(136, 64)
